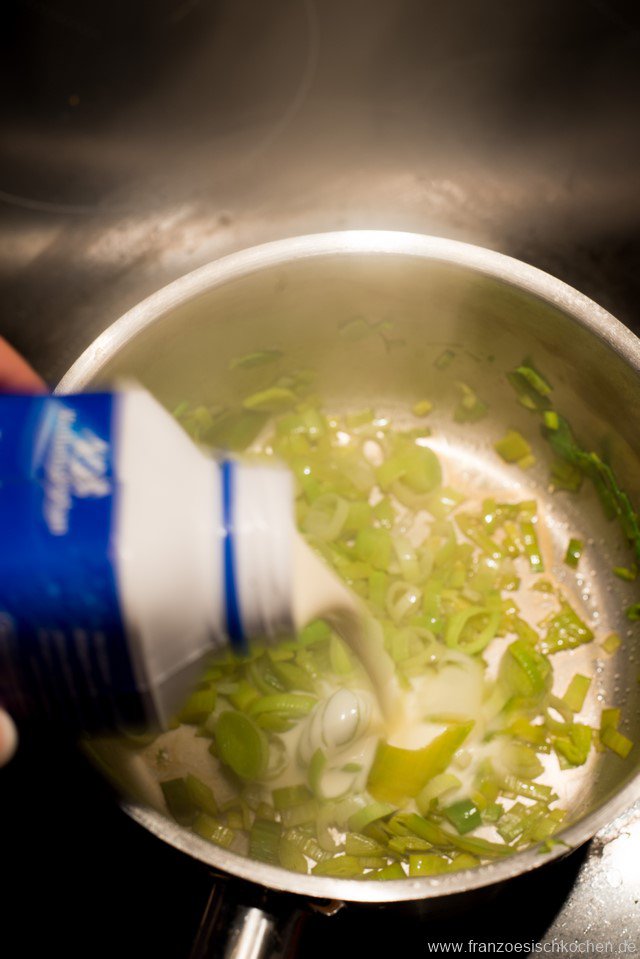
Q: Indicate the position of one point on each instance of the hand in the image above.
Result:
(16, 376)
(8, 737)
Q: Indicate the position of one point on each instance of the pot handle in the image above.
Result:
(241, 921)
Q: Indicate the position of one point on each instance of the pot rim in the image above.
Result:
(345, 243)
(594, 318)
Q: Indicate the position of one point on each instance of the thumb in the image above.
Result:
(16, 376)
(8, 737)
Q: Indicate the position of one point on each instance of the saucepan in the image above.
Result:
(428, 295)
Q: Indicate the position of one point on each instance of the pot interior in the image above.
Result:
(372, 327)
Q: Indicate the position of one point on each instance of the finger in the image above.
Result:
(8, 737)
(16, 376)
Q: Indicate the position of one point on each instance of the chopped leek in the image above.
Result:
(422, 408)
(307, 845)
(356, 844)
(436, 788)
(573, 749)
(437, 836)
(443, 501)
(577, 692)
(291, 857)
(521, 760)
(374, 546)
(316, 769)
(178, 799)
(354, 329)
(616, 741)
(615, 501)
(344, 867)
(611, 643)
(550, 418)
(393, 871)
(464, 815)
(444, 360)
(264, 840)
(633, 612)
(339, 657)
(534, 734)
(481, 638)
(406, 844)
(213, 831)
(201, 795)
(314, 632)
(370, 814)
(565, 630)
(565, 475)
(198, 707)
(492, 812)
(272, 400)
(306, 812)
(470, 408)
(525, 672)
(400, 773)
(327, 517)
(610, 736)
(610, 717)
(532, 547)
(256, 358)
(532, 389)
(243, 695)
(534, 380)
(428, 864)
(441, 575)
(235, 430)
(289, 706)
(241, 745)
(288, 796)
(513, 448)
(292, 677)
(513, 822)
(574, 552)
(417, 467)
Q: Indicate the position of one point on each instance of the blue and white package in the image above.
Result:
(63, 647)
(120, 562)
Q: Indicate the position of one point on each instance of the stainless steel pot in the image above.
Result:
(435, 294)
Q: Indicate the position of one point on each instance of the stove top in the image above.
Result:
(143, 139)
